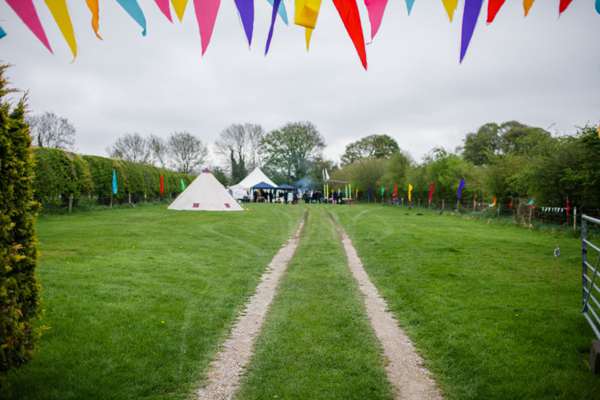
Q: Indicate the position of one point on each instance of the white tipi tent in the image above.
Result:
(205, 194)
(254, 178)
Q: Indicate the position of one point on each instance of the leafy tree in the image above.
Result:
(373, 146)
(292, 149)
(131, 147)
(397, 170)
(220, 175)
(364, 173)
(158, 151)
(319, 164)
(186, 151)
(239, 145)
(446, 170)
(18, 245)
(49, 130)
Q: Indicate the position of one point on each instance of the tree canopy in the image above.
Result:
(373, 146)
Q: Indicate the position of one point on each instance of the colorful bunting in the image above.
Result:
(164, 7)
(563, 6)
(450, 6)
(308, 34)
(115, 187)
(471, 13)
(26, 11)
(2, 33)
(376, 8)
(179, 7)
(348, 10)
(281, 11)
(93, 6)
(493, 8)
(527, 5)
(307, 12)
(409, 5)
(410, 188)
(461, 185)
(206, 14)
(162, 185)
(133, 9)
(59, 11)
(598, 6)
(246, 10)
(272, 27)
(431, 192)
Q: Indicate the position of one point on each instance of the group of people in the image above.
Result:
(267, 196)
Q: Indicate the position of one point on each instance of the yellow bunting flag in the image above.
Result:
(59, 11)
(410, 188)
(179, 7)
(307, 12)
(93, 6)
(527, 5)
(308, 33)
(450, 6)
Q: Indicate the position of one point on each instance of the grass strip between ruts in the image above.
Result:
(479, 301)
(317, 342)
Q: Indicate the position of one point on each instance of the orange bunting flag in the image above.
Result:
(451, 6)
(348, 10)
(206, 14)
(527, 5)
(375, 8)
(179, 7)
(493, 8)
(59, 11)
(163, 5)
(563, 6)
(26, 11)
(93, 6)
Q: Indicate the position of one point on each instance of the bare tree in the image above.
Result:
(238, 144)
(158, 151)
(131, 147)
(49, 130)
(186, 152)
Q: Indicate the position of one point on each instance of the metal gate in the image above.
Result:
(591, 291)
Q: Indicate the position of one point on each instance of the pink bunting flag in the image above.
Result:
(493, 8)
(163, 5)
(206, 15)
(563, 6)
(26, 11)
(375, 8)
(348, 10)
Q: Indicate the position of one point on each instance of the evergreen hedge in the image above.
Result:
(18, 244)
(60, 174)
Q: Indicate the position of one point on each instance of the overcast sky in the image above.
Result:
(541, 70)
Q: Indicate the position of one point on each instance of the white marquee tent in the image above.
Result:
(205, 194)
(254, 178)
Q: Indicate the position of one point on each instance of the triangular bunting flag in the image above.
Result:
(2, 33)
(26, 11)
(59, 11)
(281, 10)
(307, 12)
(470, 15)
(493, 8)
(450, 6)
(133, 9)
(272, 27)
(348, 10)
(93, 6)
(246, 10)
(527, 6)
(206, 14)
(409, 5)
(179, 7)
(598, 6)
(308, 34)
(563, 6)
(375, 8)
(164, 7)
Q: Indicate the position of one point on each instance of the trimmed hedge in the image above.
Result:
(60, 174)
(19, 289)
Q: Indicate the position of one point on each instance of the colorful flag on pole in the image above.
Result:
(162, 185)
(461, 185)
(495, 199)
(115, 187)
(512, 202)
(431, 192)
(382, 190)
(410, 188)
(356, 193)
(182, 185)
(368, 192)
(530, 202)
(568, 207)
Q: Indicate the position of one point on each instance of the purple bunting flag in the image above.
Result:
(276, 4)
(246, 10)
(470, 16)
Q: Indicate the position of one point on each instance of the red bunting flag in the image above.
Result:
(162, 185)
(431, 192)
(563, 6)
(348, 10)
(493, 8)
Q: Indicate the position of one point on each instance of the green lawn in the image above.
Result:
(479, 300)
(137, 301)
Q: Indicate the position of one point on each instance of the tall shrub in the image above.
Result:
(18, 244)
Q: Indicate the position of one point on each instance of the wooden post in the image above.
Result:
(111, 195)
(70, 202)
(403, 202)
(442, 204)
(429, 206)
(457, 205)
(498, 213)
(530, 213)
(130, 198)
(575, 219)
(419, 203)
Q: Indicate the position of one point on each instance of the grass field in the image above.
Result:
(138, 300)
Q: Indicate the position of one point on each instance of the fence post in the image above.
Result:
(584, 259)
(575, 219)
(70, 202)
